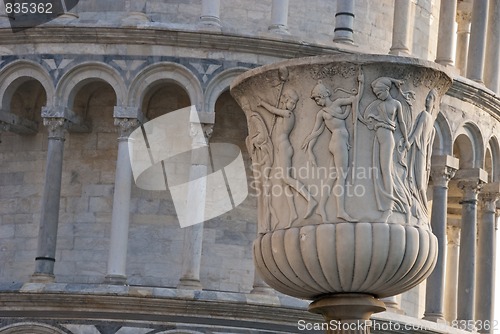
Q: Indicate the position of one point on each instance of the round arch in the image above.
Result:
(443, 143)
(28, 327)
(473, 134)
(19, 72)
(82, 74)
(494, 148)
(165, 71)
(220, 84)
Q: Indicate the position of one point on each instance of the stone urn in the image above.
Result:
(340, 149)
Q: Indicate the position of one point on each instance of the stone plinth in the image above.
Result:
(341, 152)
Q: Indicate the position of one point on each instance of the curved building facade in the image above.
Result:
(84, 250)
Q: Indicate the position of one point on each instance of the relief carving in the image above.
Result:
(342, 142)
(384, 116)
(284, 118)
(332, 116)
(260, 147)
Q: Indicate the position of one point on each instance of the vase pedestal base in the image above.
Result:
(347, 313)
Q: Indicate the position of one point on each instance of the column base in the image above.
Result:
(135, 18)
(189, 284)
(262, 290)
(392, 306)
(400, 52)
(349, 313)
(434, 317)
(343, 40)
(210, 23)
(279, 29)
(42, 278)
(115, 280)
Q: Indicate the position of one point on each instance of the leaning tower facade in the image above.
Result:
(84, 248)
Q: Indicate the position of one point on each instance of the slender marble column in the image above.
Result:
(434, 295)
(463, 36)
(401, 28)
(492, 64)
(467, 261)
(446, 35)
(47, 235)
(193, 235)
(210, 13)
(453, 234)
(117, 257)
(486, 256)
(477, 45)
(279, 17)
(344, 22)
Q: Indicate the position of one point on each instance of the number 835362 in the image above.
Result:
(28, 8)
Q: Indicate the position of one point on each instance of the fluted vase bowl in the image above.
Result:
(341, 148)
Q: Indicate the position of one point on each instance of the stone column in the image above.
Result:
(401, 29)
(486, 256)
(463, 34)
(453, 234)
(443, 169)
(259, 286)
(47, 235)
(344, 22)
(492, 64)
(193, 235)
(279, 17)
(477, 45)
(210, 13)
(446, 35)
(117, 257)
(470, 183)
(392, 304)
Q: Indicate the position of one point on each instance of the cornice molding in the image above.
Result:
(283, 48)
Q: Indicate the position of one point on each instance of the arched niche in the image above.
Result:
(164, 96)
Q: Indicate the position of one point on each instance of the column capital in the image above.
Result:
(471, 189)
(470, 181)
(453, 235)
(126, 126)
(74, 123)
(463, 18)
(56, 126)
(443, 169)
(489, 195)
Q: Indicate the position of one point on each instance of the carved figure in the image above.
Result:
(421, 139)
(285, 122)
(333, 117)
(383, 116)
(261, 150)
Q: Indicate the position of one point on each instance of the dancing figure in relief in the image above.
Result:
(332, 116)
(261, 150)
(421, 139)
(385, 115)
(285, 122)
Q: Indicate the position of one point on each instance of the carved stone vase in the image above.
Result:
(340, 149)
